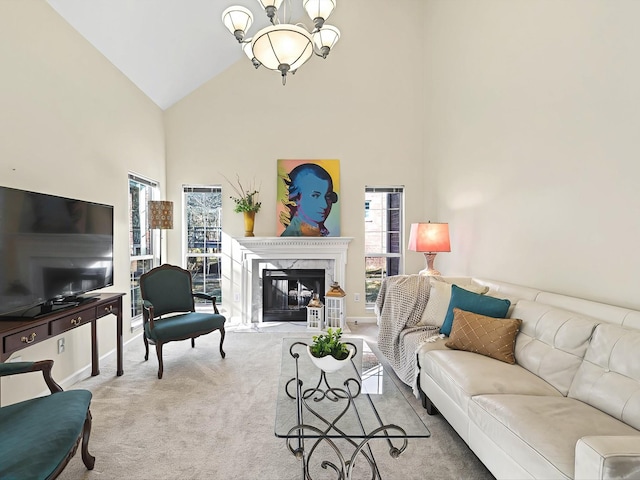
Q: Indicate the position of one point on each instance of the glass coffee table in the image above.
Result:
(330, 418)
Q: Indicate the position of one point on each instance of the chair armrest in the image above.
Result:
(147, 312)
(604, 457)
(44, 366)
(206, 296)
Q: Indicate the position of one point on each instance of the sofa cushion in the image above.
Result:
(439, 298)
(493, 337)
(552, 342)
(609, 376)
(464, 374)
(473, 302)
(58, 418)
(540, 433)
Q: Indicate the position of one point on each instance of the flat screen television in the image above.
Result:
(53, 251)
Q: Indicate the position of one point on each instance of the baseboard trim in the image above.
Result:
(356, 320)
(85, 372)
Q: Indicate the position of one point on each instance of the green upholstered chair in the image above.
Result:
(169, 312)
(40, 435)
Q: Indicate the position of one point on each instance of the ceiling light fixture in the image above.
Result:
(282, 46)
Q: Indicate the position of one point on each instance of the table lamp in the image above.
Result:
(429, 238)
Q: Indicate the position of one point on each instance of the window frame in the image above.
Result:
(153, 243)
(384, 232)
(189, 188)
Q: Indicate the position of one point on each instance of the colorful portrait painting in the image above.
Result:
(308, 196)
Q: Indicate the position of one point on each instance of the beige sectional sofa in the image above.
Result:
(570, 405)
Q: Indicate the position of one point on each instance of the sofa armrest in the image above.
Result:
(44, 366)
(603, 457)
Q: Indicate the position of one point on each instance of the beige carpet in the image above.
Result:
(210, 418)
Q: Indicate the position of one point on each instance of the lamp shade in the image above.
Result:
(246, 48)
(325, 38)
(237, 19)
(429, 237)
(319, 8)
(284, 44)
(270, 3)
(161, 215)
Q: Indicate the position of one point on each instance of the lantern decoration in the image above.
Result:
(334, 307)
(315, 313)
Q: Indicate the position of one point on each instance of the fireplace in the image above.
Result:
(254, 255)
(286, 293)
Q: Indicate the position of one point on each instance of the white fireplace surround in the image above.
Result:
(258, 253)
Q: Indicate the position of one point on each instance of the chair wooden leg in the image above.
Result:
(146, 347)
(159, 353)
(221, 342)
(88, 459)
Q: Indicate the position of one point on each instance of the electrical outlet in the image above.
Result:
(356, 297)
(236, 297)
(60, 345)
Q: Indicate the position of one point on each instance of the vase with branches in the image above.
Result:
(246, 198)
(247, 201)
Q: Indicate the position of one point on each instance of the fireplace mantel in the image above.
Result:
(258, 252)
(274, 245)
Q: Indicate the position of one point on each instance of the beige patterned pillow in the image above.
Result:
(439, 298)
(493, 337)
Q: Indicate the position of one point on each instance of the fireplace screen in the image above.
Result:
(286, 293)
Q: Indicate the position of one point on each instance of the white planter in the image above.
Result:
(329, 364)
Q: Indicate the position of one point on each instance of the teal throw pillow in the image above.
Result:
(473, 302)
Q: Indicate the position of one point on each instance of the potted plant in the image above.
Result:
(247, 202)
(328, 352)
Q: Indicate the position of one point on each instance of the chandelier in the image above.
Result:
(284, 47)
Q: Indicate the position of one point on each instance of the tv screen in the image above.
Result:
(52, 250)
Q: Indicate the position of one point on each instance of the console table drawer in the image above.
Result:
(71, 321)
(107, 308)
(25, 338)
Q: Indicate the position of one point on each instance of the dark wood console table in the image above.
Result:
(20, 333)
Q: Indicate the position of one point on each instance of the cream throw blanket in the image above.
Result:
(399, 307)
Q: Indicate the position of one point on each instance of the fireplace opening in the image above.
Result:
(286, 293)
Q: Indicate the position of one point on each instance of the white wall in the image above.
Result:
(532, 115)
(362, 105)
(72, 125)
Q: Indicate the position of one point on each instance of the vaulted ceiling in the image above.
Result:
(168, 48)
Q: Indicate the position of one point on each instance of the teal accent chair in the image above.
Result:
(169, 312)
(39, 436)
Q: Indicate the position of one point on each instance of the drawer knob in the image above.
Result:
(76, 321)
(108, 309)
(29, 339)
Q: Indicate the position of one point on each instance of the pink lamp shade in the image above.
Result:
(429, 238)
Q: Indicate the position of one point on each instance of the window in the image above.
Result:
(203, 236)
(383, 237)
(141, 240)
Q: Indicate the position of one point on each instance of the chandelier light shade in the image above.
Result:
(325, 39)
(281, 46)
(237, 20)
(429, 238)
(270, 3)
(319, 10)
(246, 48)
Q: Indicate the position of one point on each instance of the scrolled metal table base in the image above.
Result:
(350, 389)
